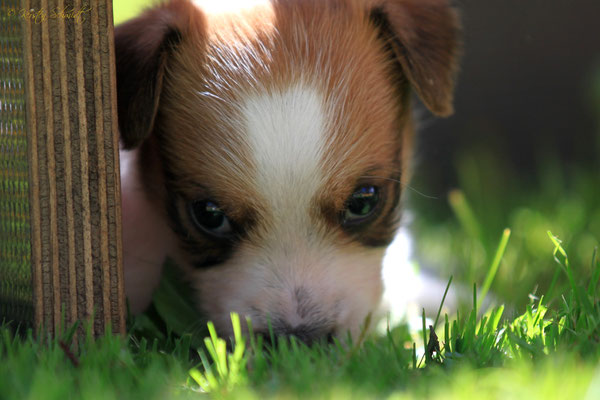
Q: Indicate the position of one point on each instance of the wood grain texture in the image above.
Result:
(73, 152)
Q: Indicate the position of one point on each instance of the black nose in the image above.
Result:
(309, 334)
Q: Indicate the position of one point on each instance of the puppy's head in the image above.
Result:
(277, 139)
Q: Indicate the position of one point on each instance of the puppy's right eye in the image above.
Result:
(209, 218)
(361, 205)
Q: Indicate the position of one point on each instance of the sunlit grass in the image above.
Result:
(550, 350)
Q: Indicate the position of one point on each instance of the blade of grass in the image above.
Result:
(446, 333)
(487, 283)
(558, 249)
(427, 356)
(579, 293)
(442, 303)
(239, 341)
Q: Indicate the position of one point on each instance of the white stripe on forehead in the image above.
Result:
(286, 133)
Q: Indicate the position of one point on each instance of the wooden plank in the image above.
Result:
(73, 163)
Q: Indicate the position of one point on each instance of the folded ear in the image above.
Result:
(425, 37)
(142, 49)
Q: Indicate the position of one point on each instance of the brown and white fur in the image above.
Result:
(277, 112)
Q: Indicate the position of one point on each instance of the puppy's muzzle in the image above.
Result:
(304, 318)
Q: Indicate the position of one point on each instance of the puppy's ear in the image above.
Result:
(143, 46)
(425, 37)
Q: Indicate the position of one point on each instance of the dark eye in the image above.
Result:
(208, 217)
(361, 204)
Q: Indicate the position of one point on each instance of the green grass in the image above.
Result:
(550, 350)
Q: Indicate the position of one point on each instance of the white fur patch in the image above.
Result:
(286, 134)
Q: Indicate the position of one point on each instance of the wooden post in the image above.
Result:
(73, 215)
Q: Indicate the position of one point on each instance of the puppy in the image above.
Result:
(265, 150)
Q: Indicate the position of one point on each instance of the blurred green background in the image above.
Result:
(522, 150)
(126, 9)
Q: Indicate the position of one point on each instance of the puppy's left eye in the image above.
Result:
(208, 217)
(361, 204)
